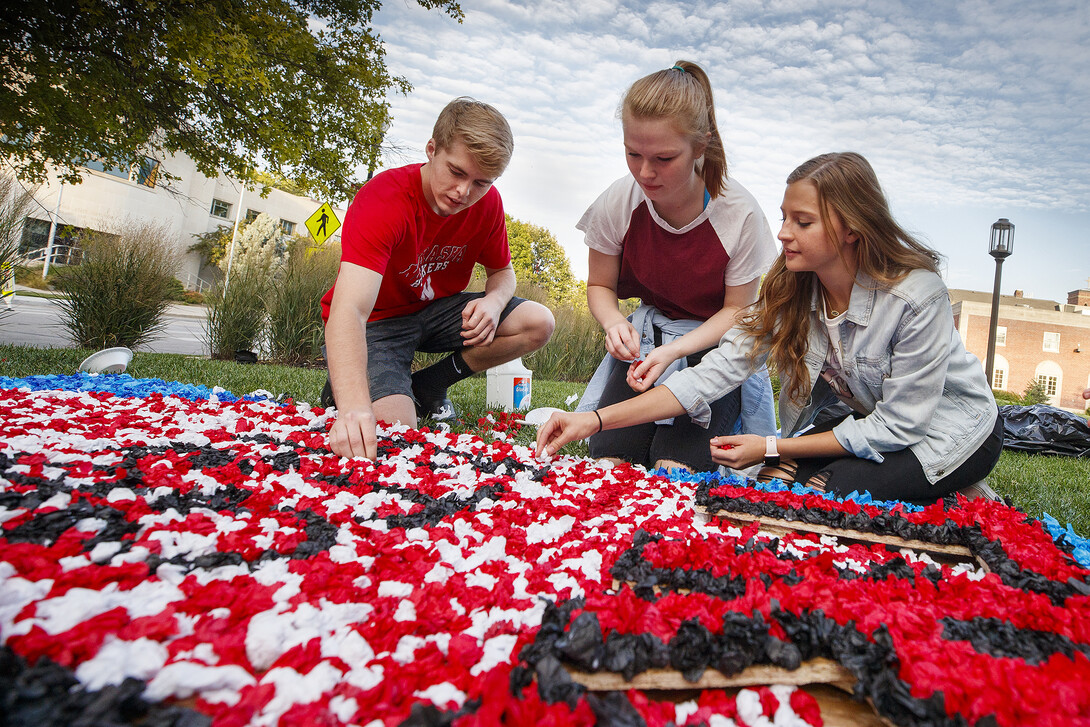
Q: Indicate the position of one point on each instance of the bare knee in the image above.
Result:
(669, 464)
(819, 481)
(539, 325)
(530, 324)
(784, 471)
(395, 409)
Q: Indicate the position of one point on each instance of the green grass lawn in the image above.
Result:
(1037, 484)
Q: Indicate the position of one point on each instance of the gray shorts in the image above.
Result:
(391, 342)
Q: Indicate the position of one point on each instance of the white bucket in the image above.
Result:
(509, 386)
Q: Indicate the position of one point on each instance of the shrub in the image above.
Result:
(294, 302)
(31, 277)
(212, 246)
(177, 290)
(237, 319)
(1003, 398)
(118, 294)
(15, 203)
(1035, 393)
(257, 247)
(236, 313)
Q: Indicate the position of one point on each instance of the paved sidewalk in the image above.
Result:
(185, 310)
(38, 322)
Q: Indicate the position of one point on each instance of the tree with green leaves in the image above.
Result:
(538, 258)
(212, 245)
(295, 86)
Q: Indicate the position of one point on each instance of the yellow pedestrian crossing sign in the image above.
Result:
(323, 223)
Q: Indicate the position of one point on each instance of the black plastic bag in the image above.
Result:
(1044, 429)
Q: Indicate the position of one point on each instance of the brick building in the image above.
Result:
(1035, 339)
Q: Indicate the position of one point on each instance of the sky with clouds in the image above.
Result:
(969, 110)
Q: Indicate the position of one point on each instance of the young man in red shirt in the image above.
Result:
(411, 238)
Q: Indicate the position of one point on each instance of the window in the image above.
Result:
(147, 172)
(287, 227)
(251, 215)
(1052, 342)
(35, 235)
(144, 172)
(1050, 376)
(220, 208)
(1051, 384)
(100, 166)
(1000, 335)
(66, 241)
(1000, 373)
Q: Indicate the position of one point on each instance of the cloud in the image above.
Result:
(978, 104)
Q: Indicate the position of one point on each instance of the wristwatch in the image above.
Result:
(772, 455)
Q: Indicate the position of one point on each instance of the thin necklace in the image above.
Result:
(829, 312)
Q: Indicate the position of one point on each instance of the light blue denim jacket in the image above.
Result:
(756, 416)
(905, 363)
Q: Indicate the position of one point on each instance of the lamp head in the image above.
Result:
(1001, 244)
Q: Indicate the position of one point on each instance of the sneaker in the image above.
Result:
(326, 398)
(439, 410)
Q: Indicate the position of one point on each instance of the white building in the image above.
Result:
(190, 205)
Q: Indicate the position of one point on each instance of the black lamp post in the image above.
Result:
(1000, 246)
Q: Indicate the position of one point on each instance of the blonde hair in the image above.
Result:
(479, 126)
(848, 188)
(683, 94)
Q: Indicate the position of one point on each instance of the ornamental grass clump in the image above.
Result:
(237, 320)
(575, 349)
(295, 329)
(236, 313)
(117, 296)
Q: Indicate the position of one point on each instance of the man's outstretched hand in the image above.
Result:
(353, 434)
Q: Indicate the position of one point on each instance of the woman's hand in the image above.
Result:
(642, 374)
(738, 451)
(622, 340)
(564, 427)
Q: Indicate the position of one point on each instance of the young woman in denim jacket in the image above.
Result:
(877, 390)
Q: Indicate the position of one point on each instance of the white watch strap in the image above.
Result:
(770, 446)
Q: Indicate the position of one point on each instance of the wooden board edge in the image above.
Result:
(778, 526)
(814, 671)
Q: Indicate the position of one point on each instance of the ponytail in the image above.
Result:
(683, 93)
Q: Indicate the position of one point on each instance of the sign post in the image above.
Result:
(7, 282)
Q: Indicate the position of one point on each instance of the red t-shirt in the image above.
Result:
(391, 229)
